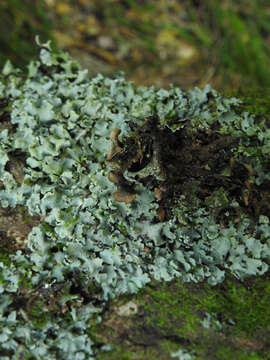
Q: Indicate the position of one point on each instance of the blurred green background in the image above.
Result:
(156, 42)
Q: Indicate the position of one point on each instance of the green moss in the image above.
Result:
(28, 356)
(226, 353)
(176, 312)
(5, 254)
(37, 314)
(171, 304)
(118, 353)
(254, 101)
(247, 304)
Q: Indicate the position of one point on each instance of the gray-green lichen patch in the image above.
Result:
(199, 171)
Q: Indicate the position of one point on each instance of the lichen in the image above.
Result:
(196, 172)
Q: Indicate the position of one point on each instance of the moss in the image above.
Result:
(6, 249)
(244, 303)
(28, 356)
(171, 304)
(254, 101)
(226, 353)
(37, 314)
(174, 313)
(117, 354)
(5, 253)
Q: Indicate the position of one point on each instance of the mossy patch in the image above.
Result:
(174, 315)
(255, 101)
(246, 303)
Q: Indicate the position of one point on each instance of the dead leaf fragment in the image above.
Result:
(123, 195)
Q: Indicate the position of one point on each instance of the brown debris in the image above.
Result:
(116, 148)
(158, 193)
(123, 195)
(114, 176)
(124, 192)
(161, 214)
(15, 225)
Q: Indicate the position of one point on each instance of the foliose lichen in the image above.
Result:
(61, 126)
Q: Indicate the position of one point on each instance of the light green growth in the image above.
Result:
(208, 322)
(89, 247)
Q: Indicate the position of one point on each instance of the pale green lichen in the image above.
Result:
(62, 122)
